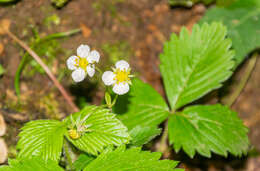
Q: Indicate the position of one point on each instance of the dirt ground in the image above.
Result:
(143, 25)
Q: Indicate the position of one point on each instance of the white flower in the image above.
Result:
(119, 78)
(84, 63)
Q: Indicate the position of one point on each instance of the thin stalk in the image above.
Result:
(60, 34)
(163, 142)
(163, 146)
(98, 69)
(114, 101)
(17, 76)
(67, 153)
(230, 100)
(46, 69)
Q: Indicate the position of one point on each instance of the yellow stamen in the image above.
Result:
(73, 133)
(81, 62)
(122, 76)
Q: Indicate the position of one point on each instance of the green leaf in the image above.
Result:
(130, 160)
(243, 22)
(82, 161)
(33, 164)
(194, 64)
(142, 135)
(43, 138)
(143, 110)
(59, 3)
(143, 106)
(244, 4)
(105, 129)
(208, 128)
(186, 3)
(2, 70)
(7, 1)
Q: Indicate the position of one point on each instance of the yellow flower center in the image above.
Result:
(73, 133)
(81, 62)
(122, 76)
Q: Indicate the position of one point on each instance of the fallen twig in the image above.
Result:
(64, 93)
(35, 44)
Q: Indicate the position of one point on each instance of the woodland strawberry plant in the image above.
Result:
(110, 137)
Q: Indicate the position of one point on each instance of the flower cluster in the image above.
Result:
(84, 64)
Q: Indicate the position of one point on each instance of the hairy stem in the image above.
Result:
(230, 100)
(163, 146)
(67, 154)
(46, 69)
(98, 69)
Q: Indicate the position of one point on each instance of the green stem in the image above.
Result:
(163, 142)
(17, 76)
(230, 100)
(114, 101)
(164, 148)
(98, 69)
(60, 34)
(67, 154)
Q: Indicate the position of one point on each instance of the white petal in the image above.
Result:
(121, 88)
(91, 70)
(122, 64)
(71, 62)
(78, 75)
(93, 56)
(83, 51)
(108, 78)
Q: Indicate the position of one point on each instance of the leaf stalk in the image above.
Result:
(230, 100)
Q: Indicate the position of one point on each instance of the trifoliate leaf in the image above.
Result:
(103, 129)
(208, 128)
(130, 160)
(82, 161)
(194, 64)
(144, 106)
(42, 138)
(33, 164)
(142, 135)
(243, 22)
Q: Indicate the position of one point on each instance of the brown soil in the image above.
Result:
(145, 25)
